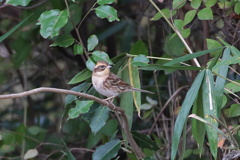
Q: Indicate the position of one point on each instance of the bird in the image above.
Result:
(109, 84)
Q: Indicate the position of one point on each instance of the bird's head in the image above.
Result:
(101, 69)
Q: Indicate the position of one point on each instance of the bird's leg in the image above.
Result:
(110, 100)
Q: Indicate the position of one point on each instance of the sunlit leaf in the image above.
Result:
(237, 8)
(107, 151)
(108, 12)
(92, 42)
(210, 3)
(189, 16)
(81, 107)
(178, 3)
(205, 14)
(18, 2)
(101, 56)
(51, 22)
(140, 60)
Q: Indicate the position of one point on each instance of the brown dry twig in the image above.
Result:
(118, 110)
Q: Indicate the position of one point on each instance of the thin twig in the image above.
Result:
(164, 107)
(118, 110)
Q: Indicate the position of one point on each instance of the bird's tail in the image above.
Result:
(142, 90)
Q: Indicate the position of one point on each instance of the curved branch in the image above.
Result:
(118, 110)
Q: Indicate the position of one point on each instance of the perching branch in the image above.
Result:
(118, 110)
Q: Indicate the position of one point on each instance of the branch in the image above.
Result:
(138, 152)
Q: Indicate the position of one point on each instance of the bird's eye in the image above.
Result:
(102, 66)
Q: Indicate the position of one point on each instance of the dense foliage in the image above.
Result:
(186, 52)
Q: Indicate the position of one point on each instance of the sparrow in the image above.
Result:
(108, 84)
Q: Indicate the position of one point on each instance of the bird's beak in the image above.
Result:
(109, 66)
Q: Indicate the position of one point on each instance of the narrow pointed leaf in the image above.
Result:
(135, 82)
(209, 108)
(14, 29)
(191, 56)
(232, 60)
(107, 151)
(153, 67)
(220, 82)
(99, 118)
(81, 76)
(144, 141)
(198, 128)
(126, 101)
(183, 114)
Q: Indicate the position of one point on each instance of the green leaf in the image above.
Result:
(135, 82)
(92, 42)
(140, 60)
(191, 56)
(3, 37)
(182, 116)
(18, 2)
(232, 87)
(186, 32)
(81, 76)
(198, 128)
(99, 118)
(153, 67)
(220, 82)
(139, 48)
(173, 45)
(101, 56)
(77, 49)
(90, 64)
(211, 43)
(103, 2)
(210, 3)
(107, 151)
(126, 100)
(80, 88)
(235, 51)
(51, 22)
(232, 60)
(234, 110)
(144, 141)
(237, 8)
(166, 12)
(108, 12)
(81, 107)
(178, 4)
(196, 3)
(63, 41)
(210, 108)
(189, 16)
(205, 14)
(178, 24)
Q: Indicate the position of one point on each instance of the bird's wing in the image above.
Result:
(116, 81)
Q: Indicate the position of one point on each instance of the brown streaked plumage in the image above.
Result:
(109, 84)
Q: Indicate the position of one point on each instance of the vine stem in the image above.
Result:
(136, 149)
(176, 31)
